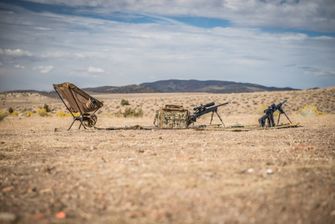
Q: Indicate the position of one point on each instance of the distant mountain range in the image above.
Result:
(174, 85)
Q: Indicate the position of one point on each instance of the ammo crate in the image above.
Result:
(172, 116)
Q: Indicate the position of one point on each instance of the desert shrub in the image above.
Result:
(139, 113)
(15, 113)
(10, 110)
(130, 112)
(124, 102)
(42, 112)
(133, 112)
(62, 114)
(46, 108)
(3, 114)
(310, 110)
(28, 113)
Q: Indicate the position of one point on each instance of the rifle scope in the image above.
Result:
(201, 107)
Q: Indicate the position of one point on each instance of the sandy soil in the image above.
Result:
(50, 175)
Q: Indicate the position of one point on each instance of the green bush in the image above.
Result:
(124, 102)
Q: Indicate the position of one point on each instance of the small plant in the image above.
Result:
(65, 114)
(133, 112)
(139, 113)
(124, 102)
(15, 113)
(42, 112)
(28, 113)
(46, 107)
(61, 114)
(10, 110)
(3, 114)
(130, 112)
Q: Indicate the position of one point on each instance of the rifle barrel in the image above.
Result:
(222, 104)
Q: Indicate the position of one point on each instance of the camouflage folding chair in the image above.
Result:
(81, 105)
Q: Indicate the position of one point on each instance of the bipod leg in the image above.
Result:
(211, 118)
(288, 118)
(219, 118)
(71, 124)
(278, 118)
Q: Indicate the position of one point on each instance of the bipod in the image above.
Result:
(285, 116)
(216, 112)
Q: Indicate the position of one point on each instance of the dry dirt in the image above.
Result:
(50, 175)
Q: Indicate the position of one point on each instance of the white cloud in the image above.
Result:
(14, 52)
(94, 70)
(317, 15)
(318, 71)
(44, 69)
(63, 54)
(19, 66)
(146, 52)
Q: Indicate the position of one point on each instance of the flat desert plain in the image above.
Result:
(51, 175)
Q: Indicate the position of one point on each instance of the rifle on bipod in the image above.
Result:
(268, 116)
(205, 109)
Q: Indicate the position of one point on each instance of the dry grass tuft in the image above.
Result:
(28, 113)
(3, 114)
(65, 114)
(130, 112)
(42, 112)
(310, 110)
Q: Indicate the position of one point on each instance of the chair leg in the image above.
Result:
(81, 124)
(71, 124)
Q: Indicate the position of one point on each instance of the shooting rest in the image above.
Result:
(175, 116)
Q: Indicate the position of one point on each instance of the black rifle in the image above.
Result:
(279, 107)
(269, 114)
(204, 109)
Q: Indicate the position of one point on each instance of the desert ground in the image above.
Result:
(51, 175)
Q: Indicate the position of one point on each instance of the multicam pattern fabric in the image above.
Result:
(172, 116)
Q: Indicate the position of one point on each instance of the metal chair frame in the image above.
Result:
(83, 116)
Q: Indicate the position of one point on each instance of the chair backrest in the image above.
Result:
(75, 99)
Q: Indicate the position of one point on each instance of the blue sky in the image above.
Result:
(92, 43)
